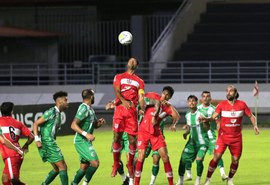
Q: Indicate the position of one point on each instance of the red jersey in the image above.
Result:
(146, 123)
(12, 130)
(231, 116)
(129, 86)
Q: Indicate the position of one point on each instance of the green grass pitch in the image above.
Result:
(253, 168)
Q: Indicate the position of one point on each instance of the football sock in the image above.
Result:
(116, 153)
(168, 171)
(199, 167)
(78, 177)
(181, 168)
(220, 163)
(153, 179)
(50, 177)
(89, 173)
(131, 154)
(138, 171)
(233, 169)
(188, 165)
(155, 169)
(211, 168)
(63, 177)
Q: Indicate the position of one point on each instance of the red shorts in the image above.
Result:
(234, 144)
(156, 141)
(125, 120)
(12, 167)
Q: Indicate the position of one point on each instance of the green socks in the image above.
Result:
(155, 169)
(50, 177)
(63, 177)
(78, 177)
(89, 173)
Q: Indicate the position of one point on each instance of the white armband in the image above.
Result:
(37, 139)
(84, 133)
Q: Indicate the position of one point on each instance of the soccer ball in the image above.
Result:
(125, 38)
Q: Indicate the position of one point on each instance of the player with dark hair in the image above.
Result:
(231, 112)
(84, 124)
(156, 109)
(129, 90)
(11, 131)
(208, 110)
(197, 144)
(50, 123)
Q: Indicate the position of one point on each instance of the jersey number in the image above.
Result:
(12, 133)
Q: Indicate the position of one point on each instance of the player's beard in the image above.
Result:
(230, 98)
(93, 101)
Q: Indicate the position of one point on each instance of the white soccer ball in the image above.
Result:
(125, 38)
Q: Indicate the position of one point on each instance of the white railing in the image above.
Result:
(103, 72)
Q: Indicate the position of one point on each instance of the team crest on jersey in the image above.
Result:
(93, 154)
(116, 125)
(233, 120)
(129, 81)
(233, 113)
(139, 143)
(216, 147)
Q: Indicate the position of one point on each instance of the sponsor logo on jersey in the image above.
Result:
(232, 114)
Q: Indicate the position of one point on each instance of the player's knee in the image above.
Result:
(94, 164)
(5, 178)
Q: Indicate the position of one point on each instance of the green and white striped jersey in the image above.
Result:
(208, 112)
(197, 133)
(87, 116)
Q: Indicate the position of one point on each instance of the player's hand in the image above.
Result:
(101, 121)
(185, 127)
(126, 103)
(90, 137)
(38, 143)
(141, 112)
(109, 105)
(20, 152)
(173, 127)
(154, 120)
(25, 149)
(165, 102)
(185, 135)
(256, 130)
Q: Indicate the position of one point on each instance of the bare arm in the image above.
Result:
(175, 118)
(187, 128)
(253, 120)
(37, 124)
(8, 144)
(75, 126)
(30, 139)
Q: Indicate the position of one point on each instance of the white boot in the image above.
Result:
(207, 181)
(180, 181)
(131, 181)
(189, 176)
(198, 181)
(230, 181)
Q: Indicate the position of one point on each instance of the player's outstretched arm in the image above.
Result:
(175, 118)
(253, 120)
